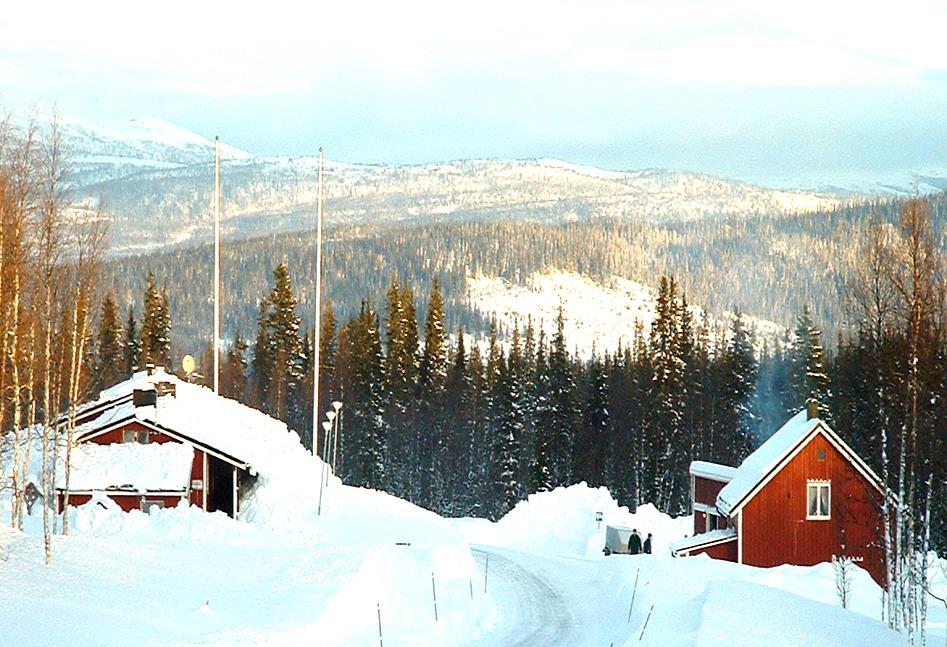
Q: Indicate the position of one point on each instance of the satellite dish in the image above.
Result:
(188, 364)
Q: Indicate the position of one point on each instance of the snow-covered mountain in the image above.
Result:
(101, 153)
(895, 182)
(597, 316)
(157, 183)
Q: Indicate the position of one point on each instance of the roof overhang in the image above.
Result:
(712, 471)
(689, 545)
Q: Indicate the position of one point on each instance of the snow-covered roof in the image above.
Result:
(774, 451)
(197, 414)
(714, 471)
(703, 539)
(761, 462)
(128, 466)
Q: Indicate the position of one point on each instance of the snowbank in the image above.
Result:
(563, 522)
(130, 466)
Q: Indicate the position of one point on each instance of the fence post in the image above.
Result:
(641, 637)
(381, 643)
(434, 591)
(635, 591)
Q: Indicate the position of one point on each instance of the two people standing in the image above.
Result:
(635, 547)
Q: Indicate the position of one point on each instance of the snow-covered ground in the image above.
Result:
(593, 311)
(536, 577)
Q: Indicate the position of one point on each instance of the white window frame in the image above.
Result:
(135, 436)
(820, 515)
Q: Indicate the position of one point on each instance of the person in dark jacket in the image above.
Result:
(634, 543)
(647, 544)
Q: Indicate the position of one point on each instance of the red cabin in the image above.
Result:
(154, 441)
(801, 498)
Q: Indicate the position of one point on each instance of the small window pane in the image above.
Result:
(813, 501)
(824, 500)
(152, 505)
(129, 436)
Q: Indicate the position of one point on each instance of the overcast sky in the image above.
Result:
(742, 89)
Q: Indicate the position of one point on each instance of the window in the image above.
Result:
(151, 505)
(819, 498)
(133, 436)
(712, 523)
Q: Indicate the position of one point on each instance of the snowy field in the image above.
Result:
(536, 577)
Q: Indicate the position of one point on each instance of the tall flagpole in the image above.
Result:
(318, 324)
(217, 264)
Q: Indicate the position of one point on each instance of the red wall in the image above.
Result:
(116, 435)
(126, 502)
(775, 528)
(725, 551)
(706, 490)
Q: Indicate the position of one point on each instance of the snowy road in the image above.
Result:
(533, 612)
(548, 600)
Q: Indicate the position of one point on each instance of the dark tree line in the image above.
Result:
(468, 428)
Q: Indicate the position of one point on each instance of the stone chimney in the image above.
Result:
(812, 409)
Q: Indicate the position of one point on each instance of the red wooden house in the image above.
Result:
(800, 498)
(157, 441)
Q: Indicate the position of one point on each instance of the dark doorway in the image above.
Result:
(220, 485)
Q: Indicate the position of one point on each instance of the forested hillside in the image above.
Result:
(768, 267)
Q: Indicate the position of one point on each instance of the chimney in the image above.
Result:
(812, 409)
(144, 397)
(149, 369)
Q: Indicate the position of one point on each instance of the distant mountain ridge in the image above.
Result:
(156, 180)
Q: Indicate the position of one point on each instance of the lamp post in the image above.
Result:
(337, 406)
(330, 426)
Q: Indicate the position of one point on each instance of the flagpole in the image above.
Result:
(318, 319)
(217, 264)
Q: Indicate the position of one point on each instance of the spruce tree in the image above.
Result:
(155, 326)
(562, 407)
(509, 426)
(262, 363)
(478, 479)
(541, 478)
(108, 364)
(361, 363)
(131, 347)
(808, 377)
(401, 333)
(739, 381)
(432, 374)
(456, 470)
(233, 370)
(592, 448)
(278, 354)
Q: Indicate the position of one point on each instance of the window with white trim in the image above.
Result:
(135, 436)
(818, 499)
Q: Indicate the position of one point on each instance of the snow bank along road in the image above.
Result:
(184, 577)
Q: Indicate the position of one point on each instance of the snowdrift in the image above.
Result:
(563, 522)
